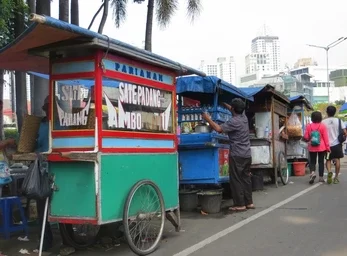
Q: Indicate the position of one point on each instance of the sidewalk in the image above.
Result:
(196, 227)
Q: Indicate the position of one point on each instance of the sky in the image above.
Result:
(226, 28)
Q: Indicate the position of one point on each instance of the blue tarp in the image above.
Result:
(207, 84)
(251, 91)
(343, 107)
(302, 99)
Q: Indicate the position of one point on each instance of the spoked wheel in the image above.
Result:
(79, 236)
(282, 168)
(144, 217)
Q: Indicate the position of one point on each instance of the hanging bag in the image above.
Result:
(294, 127)
(37, 184)
(341, 137)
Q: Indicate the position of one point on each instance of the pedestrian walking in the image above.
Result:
(240, 158)
(337, 136)
(316, 135)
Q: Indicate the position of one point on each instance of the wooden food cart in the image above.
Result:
(112, 140)
(267, 115)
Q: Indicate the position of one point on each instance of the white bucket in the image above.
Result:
(260, 132)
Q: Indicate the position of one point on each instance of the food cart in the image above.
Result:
(203, 153)
(112, 140)
(267, 118)
(296, 149)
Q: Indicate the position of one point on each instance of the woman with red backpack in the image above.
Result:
(316, 135)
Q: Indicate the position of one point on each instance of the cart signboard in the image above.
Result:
(135, 107)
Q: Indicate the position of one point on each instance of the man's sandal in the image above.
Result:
(330, 177)
(238, 209)
(336, 181)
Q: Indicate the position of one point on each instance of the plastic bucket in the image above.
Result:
(188, 200)
(260, 132)
(257, 181)
(210, 201)
(290, 169)
(299, 168)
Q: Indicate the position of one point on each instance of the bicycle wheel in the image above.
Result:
(144, 217)
(282, 168)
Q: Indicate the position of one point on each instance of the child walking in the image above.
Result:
(316, 135)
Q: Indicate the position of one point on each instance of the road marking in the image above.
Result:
(230, 229)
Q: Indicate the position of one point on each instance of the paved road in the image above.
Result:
(288, 220)
(313, 224)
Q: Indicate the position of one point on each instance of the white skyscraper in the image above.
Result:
(223, 67)
(267, 43)
(264, 59)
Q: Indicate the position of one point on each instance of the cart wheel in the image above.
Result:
(79, 236)
(282, 168)
(144, 217)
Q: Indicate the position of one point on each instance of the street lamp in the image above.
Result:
(327, 48)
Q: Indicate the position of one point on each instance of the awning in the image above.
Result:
(207, 84)
(300, 99)
(47, 31)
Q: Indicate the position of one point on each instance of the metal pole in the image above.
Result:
(327, 48)
(328, 77)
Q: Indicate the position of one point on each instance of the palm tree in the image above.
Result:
(74, 12)
(104, 16)
(41, 85)
(64, 10)
(164, 9)
(20, 77)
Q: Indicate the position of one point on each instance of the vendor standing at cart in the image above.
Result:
(43, 146)
(240, 158)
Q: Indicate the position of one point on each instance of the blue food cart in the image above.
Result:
(203, 153)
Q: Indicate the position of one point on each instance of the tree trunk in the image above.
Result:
(104, 17)
(41, 85)
(149, 25)
(13, 96)
(75, 16)
(64, 13)
(21, 90)
(32, 6)
(43, 7)
(2, 85)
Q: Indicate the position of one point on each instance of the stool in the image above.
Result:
(6, 205)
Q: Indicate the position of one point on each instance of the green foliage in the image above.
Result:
(339, 102)
(8, 10)
(11, 133)
(6, 21)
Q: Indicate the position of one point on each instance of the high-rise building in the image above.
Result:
(264, 59)
(270, 45)
(257, 62)
(223, 67)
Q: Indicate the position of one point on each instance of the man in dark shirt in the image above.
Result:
(240, 158)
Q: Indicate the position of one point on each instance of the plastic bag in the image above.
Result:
(37, 183)
(294, 127)
(5, 176)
